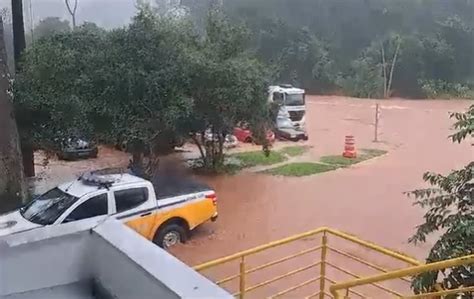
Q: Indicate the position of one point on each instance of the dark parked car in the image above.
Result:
(287, 131)
(73, 149)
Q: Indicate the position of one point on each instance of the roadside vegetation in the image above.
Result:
(299, 169)
(259, 158)
(325, 163)
(363, 155)
(256, 158)
(293, 151)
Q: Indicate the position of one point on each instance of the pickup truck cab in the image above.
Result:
(163, 211)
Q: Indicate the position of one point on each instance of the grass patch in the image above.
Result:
(294, 151)
(372, 153)
(250, 159)
(364, 154)
(230, 166)
(300, 169)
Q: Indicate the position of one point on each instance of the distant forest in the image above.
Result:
(362, 48)
(350, 46)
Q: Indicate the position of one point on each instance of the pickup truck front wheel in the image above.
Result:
(170, 235)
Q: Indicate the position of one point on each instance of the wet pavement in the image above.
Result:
(366, 199)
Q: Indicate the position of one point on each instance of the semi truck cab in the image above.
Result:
(292, 103)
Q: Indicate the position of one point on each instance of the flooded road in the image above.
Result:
(366, 199)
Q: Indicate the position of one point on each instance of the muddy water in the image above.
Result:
(366, 199)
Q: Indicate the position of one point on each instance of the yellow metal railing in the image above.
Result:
(411, 271)
(247, 279)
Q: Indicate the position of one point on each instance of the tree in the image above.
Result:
(50, 26)
(72, 8)
(228, 86)
(12, 181)
(364, 78)
(53, 90)
(345, 29)
(451, 214)
(123, 85)
(146, 70)
(391, 66)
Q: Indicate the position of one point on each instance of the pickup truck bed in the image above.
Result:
(171, 186)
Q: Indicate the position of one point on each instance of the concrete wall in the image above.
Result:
(44, 258)
(121, 276)
(117, 259)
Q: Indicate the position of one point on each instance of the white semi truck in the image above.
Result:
(291, 101)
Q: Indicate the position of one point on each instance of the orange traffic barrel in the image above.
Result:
(349, 147)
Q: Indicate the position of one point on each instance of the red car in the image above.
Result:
(244, 134)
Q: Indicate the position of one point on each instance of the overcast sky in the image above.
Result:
(106, 13)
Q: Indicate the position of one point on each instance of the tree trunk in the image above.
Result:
(13, 190)
(392, 69)
(28, 154)
(72, 11)
(199, 145)
(384, 69)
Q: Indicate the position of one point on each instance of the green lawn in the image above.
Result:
(294, 151)
(364, 154)
(300, 169)
(250, 159)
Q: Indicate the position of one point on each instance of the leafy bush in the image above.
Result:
(450, 214)
(363, 80)
(436, 89)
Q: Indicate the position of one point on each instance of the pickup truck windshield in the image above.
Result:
(294, 99)
(47, 208)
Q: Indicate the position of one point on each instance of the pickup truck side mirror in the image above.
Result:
(68, 219)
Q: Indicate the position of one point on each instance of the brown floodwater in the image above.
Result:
(366, 199)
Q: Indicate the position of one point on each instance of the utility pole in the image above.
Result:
(19, 45)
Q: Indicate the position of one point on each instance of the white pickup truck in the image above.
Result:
(164, 211)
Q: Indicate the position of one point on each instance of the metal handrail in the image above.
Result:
(272, 263)
(346, 236)
(323, 263)
(415, 270)
(257, 249)
(369, 245)
(357, 259)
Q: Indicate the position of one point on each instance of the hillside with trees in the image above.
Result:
(417, 48)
